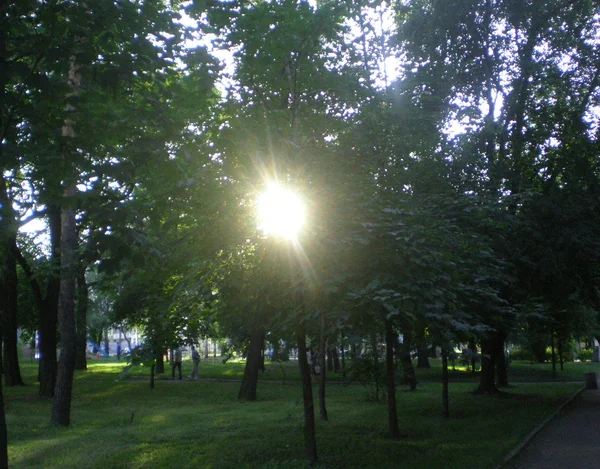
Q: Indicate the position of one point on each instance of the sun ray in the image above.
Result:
(280, 212)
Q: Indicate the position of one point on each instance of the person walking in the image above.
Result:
(177, 363)
(196, 361)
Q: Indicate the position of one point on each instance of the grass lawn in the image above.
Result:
(519, 371)
(201, 425)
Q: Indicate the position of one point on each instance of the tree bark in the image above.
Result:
(445, 401)
(322, 365)
(160, 362)
(3, 81)
(49, 309)
(152, 368)
(487, 383)
(501, 365)
(3, 431)
(403, 354)
(61, 405)
(310, 441)
(390, 340)
(9, 307)
(553, 354)
(250, 379)
(560, 353)
(343, 355)
(81, 322)
(422, 350)
(473, 348)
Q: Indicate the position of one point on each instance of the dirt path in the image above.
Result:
(569, 441)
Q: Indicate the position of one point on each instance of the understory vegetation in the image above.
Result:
(198, 424)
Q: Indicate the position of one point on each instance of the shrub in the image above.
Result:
(585, 354)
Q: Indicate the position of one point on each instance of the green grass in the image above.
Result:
(201, 425)
(519, 371)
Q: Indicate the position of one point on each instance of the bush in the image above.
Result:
(520, 354)
(585, 354)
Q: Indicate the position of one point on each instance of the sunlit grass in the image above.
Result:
(125, 424)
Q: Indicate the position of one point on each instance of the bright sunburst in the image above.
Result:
(280, 212)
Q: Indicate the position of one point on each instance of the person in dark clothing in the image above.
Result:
(177, 363)
(196, 361)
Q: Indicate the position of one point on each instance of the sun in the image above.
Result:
(280, 212)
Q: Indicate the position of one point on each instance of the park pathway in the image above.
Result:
(570, 441)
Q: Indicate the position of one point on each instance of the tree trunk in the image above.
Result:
(9, 308)
(48, 309)
(330, 351)
(343, 355)
(160, 362)
(336, 359)
(81, 322)
(403, 354)
(48, 360)
(106, 345)
(214, 350)
(4, 4)
(473, 348)
(3, 432)
(152, 369)
(446, 405)
(422, 350)
(310, 441)
(390, 340)
(560, 353)
(61, 405)
(487, 383)
(206, 348)
(322, 365)
(501, 365)
(553, 355)
(250, 379)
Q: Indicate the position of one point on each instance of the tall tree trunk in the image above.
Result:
(206, 348)
(61, 404)
(9, 308)
(152, 369)
(250, 379)
(553, 354)
(4, 4)
(473, 349)
(390, 340)
(422, 350)
(49, 309)
(3, 431)
(160, 362)
(81, 322)
(330, 352)
(310, 440)
(374, 346)
(403, 354)
(106, 344)
(215, 349)
(322, 365)
(48, 359)
(560, 353)
(445, 401)
(487, 383)
(501, 365)
(343, 353)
